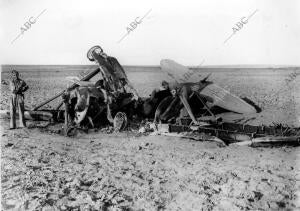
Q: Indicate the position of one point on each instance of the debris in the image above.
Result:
(8, 144)
(197, 137)
(270, 140)
(120, 121)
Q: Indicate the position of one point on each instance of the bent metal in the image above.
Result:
(89, 105)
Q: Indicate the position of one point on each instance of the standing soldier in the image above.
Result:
(17, 87)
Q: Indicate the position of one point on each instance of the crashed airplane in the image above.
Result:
(188, 106)
(88, 104)
(207, 95)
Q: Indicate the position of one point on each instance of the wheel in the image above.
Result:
(120, 121)
(92, 49)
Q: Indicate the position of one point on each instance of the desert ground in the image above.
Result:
(43, 170)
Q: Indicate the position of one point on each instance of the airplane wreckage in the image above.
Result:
(188, 109)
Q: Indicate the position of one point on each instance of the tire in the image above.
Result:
(89, 53)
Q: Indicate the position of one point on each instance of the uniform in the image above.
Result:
(17, 87)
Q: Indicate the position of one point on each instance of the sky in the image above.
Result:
(191, 32)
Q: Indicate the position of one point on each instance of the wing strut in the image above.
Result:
(205, 105)
(188, 108)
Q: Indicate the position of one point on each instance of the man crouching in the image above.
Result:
(17, 87)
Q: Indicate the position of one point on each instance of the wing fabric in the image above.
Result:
(178, 72)
(220, 97)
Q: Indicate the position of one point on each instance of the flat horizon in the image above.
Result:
(189, 66)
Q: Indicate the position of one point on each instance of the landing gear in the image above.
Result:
(120, 121)
(90, 52)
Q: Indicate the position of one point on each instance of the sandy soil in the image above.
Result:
(125, 172)
(42, 170)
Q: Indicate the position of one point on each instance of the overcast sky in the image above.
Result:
(186, 31)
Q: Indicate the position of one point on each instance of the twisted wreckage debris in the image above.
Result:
(237, 134)
(189, 112)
